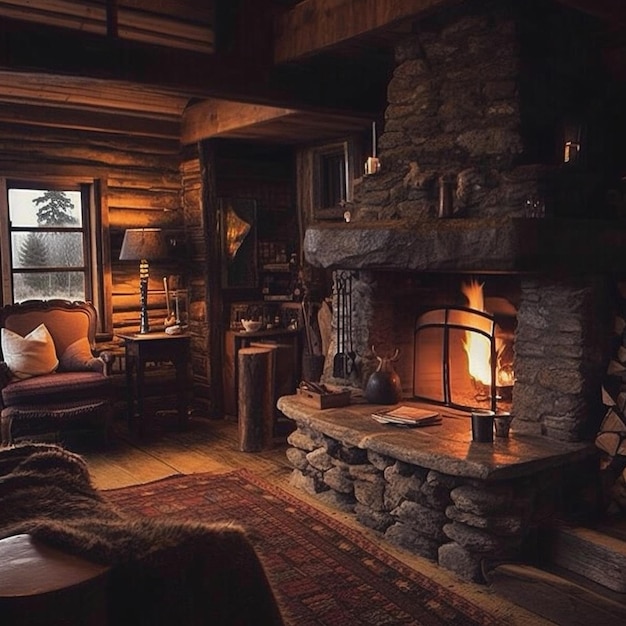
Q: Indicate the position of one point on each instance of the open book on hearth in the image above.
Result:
(408, 416)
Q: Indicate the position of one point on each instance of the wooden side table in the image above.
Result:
(287, 341)
(155, 347)
(40, 585)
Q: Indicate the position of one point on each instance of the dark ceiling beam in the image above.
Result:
(212, 118)
(610, 10)
(243, 72)
(26, 46)
(238, 120)
(316, 25)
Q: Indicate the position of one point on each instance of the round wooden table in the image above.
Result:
(42, 586)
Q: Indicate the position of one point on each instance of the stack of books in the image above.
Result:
(408, 416)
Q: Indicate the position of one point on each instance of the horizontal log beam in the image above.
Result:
(96, 121)
(144, 218)
(314, 25)
(212, 118)
(94, 95)
(166, 26)
(240, 120)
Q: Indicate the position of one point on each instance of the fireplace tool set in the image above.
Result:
(345, 357)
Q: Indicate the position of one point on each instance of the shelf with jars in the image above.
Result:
(278, 269)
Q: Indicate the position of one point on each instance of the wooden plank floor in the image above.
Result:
(213, 446)
(206, 446)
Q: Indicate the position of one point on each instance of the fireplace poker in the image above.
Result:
(344, 358)
(351, 352)
(337, 361)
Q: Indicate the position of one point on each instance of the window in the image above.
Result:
(332, 175)
(326, 178)
(50, 242)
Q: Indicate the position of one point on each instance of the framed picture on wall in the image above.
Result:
(239, 242)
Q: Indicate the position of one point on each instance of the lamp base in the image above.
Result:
(144, 324)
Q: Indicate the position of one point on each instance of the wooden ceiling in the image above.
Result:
(287, 71)
(181, 24)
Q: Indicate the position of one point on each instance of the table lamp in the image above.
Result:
(143, 245)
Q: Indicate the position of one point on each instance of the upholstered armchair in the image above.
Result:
(51, 380)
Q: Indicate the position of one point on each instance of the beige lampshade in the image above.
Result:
(143, 243)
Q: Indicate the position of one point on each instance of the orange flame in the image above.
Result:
(476, 345)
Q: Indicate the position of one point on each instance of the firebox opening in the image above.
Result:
(464, 355)
(387, 304)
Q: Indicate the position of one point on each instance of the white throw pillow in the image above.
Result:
(32, 355)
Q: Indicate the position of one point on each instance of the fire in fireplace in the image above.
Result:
(462, 356)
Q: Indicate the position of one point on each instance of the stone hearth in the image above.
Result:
(432, 490)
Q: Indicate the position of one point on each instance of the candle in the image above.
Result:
(373, 139)
(342, 184)
(347, 178)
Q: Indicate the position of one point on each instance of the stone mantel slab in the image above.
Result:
(469, 244)
(447, 448)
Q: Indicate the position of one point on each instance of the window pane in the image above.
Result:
(39, 207)
(45, 285)
(37, 249)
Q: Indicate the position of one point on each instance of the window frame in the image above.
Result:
(312, 184)
(97, 262)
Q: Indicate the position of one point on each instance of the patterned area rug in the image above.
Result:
(323, 572)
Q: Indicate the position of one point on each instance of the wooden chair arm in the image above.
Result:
(5, 374)
(107, 358)
(5, 378)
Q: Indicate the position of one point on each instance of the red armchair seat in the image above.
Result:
(77, 395)
(57, 388)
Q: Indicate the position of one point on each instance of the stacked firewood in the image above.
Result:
(611, 438)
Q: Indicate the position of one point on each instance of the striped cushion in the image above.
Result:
(57, 388)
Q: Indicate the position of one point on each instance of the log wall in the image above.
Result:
(148, 180)
(142, 183)
(141, 187)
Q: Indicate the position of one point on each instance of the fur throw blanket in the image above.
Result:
(162, 572)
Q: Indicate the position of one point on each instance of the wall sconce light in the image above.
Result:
(372, 165)
(572, 148)
(572, 141)
(143, 245)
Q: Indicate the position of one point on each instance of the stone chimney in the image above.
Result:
(495, 159)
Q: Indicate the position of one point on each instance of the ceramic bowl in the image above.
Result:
(251, 326)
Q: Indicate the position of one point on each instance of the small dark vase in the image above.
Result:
(383, 386)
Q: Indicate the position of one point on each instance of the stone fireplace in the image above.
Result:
(483, 105)
(496, 166)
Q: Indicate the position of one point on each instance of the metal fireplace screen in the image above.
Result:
(441, 367)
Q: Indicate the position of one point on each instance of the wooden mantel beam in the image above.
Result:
(314, 25)
(212, 118)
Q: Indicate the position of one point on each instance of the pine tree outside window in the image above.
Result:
(47, 244)
(50, 242)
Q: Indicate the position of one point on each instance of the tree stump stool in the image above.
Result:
(42, 586)
(255, 398)
(273, 360)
